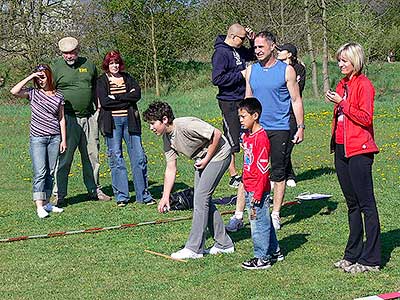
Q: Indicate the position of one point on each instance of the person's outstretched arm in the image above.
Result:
(169, 180)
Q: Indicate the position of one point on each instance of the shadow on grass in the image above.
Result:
(287, 244)
(292, 242)
(307, 209)
(314, 173)
(155, 190)
(389, 240)
(77, 199)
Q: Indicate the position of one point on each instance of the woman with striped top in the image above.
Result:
(119, 120)
(47, 133)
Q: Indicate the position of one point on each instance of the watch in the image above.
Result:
(301, 126)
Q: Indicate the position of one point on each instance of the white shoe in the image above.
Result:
(276, 221)
(51, 208)
(291, 183)
(42, 213)
(186, 253)
(214, 250)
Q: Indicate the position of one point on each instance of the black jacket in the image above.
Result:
(227, 63)
(127, 101)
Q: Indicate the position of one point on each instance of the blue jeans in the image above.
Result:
(138, 159)
(44, 153)
(262, 233)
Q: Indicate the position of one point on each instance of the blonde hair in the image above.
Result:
(354, 53)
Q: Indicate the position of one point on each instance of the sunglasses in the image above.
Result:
(241, 37)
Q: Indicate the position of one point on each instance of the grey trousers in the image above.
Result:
(205, 213)
(82, 133)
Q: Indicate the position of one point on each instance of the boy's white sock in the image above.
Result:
(239, 215)
(275, 213)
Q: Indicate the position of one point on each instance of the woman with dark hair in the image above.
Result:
(288, 54)
(354, 146)
(119, 120)
(47, 133)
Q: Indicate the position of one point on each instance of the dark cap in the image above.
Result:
(289, 48)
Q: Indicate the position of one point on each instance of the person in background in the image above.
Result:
(119, 120)
(288, 54)
(211, 153)
(255, 176)
(75, 76)
(353, 143)
(229, 64)
(47, 133)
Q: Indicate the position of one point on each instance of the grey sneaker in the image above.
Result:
(342, 264)
(234, 224)
(359, 268)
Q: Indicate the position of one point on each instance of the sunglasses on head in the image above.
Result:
(40, 68)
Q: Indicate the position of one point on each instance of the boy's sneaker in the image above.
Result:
(291, 183)
(121, 203)
(234, 224)
(186, 253)
(51, 208)
(277, 256)
(215, 250)
(276, 221)
(235, 181)
(151, 202)
(257, 264)
(42, 213)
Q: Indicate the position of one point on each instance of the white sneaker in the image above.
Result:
(186, 253)
(276, 221)
(214, 250)
(291, 183)
(51, 208)
(42, 213)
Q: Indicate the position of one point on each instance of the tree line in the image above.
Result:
(157, 37)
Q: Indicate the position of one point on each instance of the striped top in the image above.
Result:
(45, 112)
(116, 89)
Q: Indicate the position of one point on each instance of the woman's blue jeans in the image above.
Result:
(262, 233)
(44, 153)
(138, 159)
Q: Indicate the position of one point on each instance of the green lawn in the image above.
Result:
(113, 264)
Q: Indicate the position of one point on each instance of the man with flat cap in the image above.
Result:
(75, 77)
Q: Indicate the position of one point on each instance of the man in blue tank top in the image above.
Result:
(274, 84)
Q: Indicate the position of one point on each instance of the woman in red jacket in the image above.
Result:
(354, 146)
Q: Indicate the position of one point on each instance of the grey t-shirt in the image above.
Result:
(191, 137)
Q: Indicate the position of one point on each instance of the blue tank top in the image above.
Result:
(269, 87)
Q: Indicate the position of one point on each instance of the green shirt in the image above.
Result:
(77, 83)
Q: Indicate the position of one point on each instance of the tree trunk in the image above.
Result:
(282, 20)
(155, 65)
(314, 73)
(325, 56)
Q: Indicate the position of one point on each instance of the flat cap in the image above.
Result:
(68, 44)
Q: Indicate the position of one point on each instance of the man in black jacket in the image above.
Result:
(229, 65)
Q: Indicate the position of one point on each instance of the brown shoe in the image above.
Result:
(101, 196)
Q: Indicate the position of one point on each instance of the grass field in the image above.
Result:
(113, 264)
